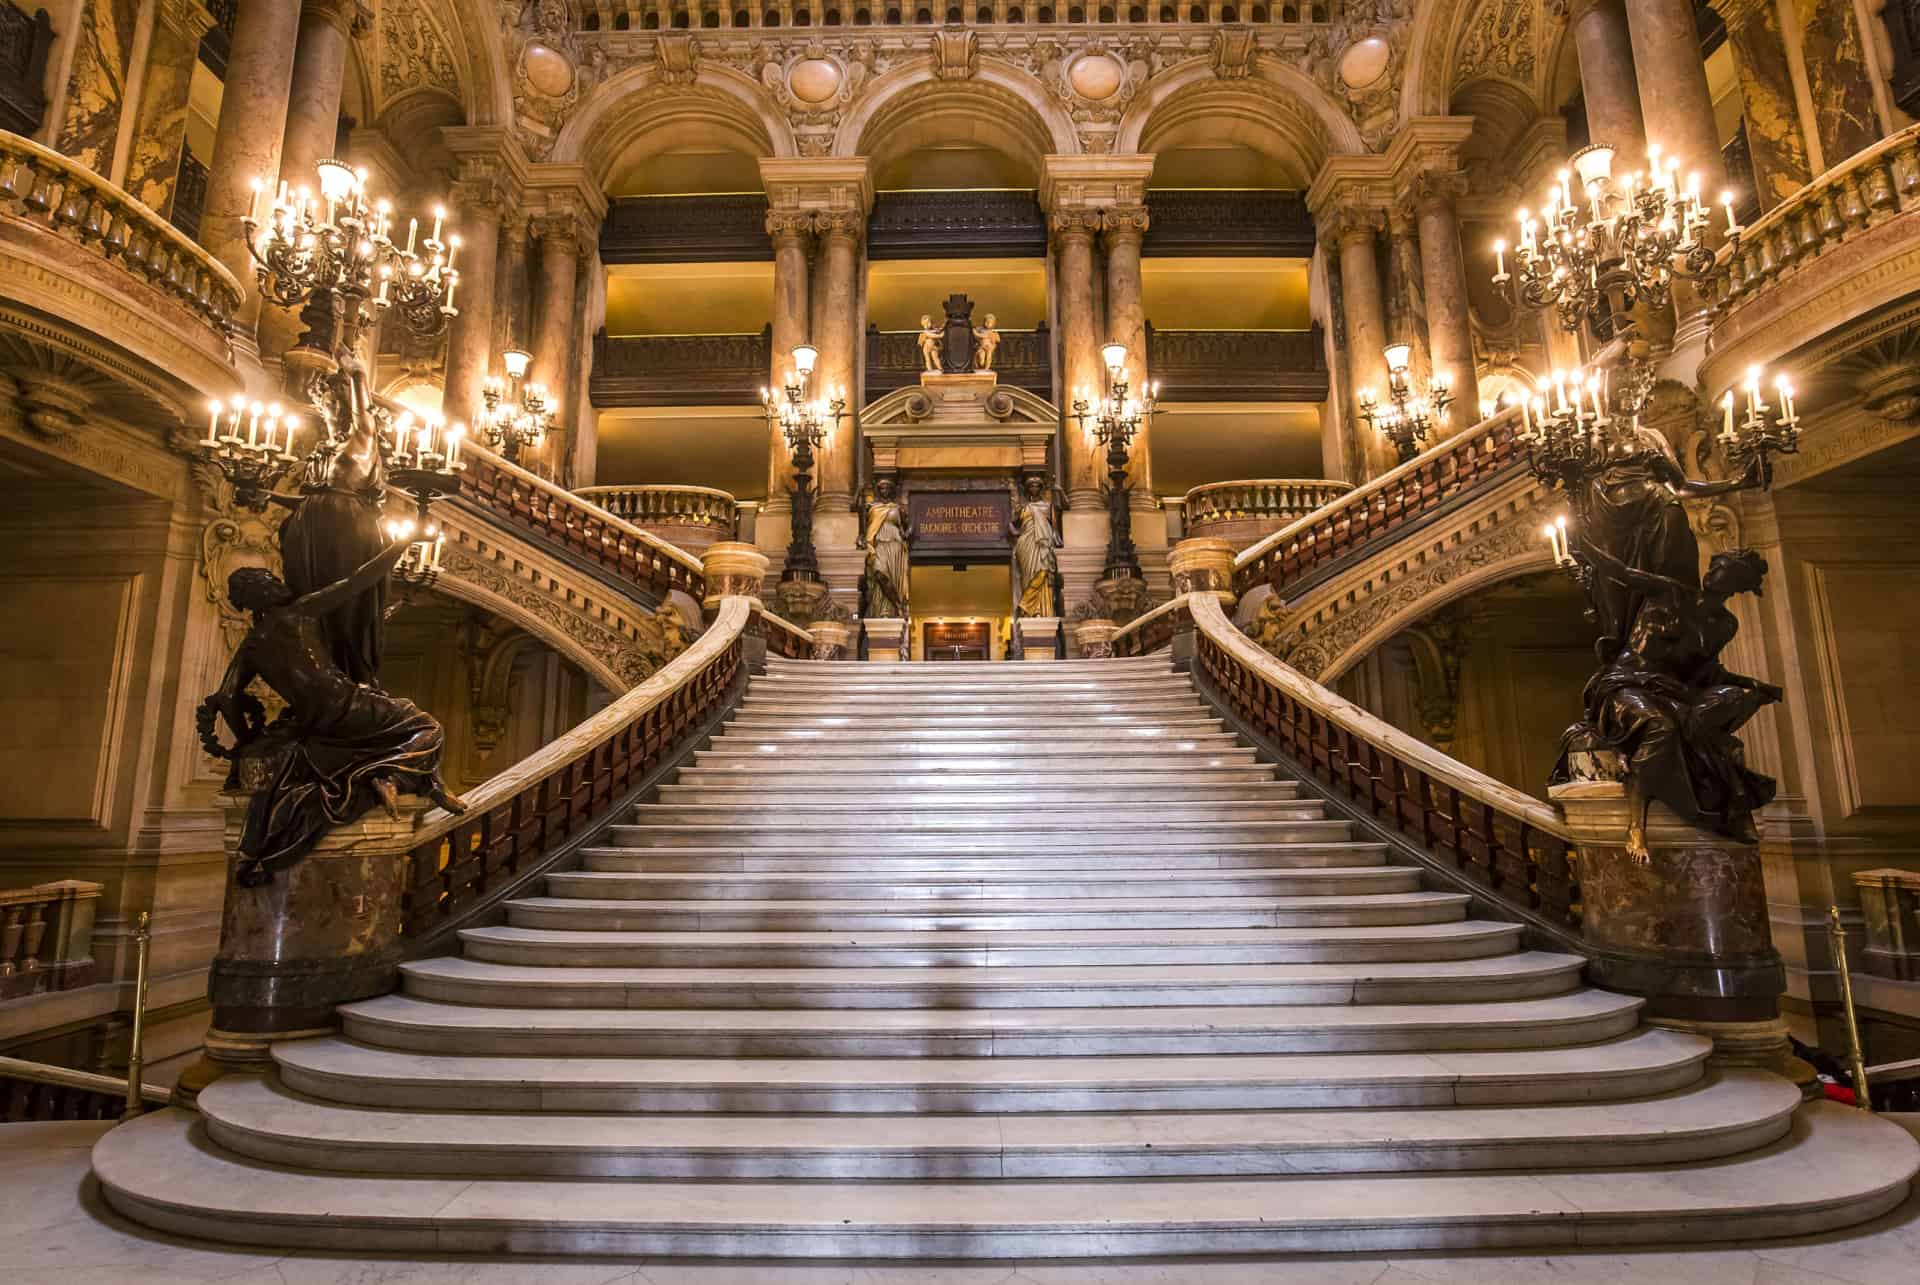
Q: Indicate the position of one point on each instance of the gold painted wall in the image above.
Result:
(1226, 294)
(900, 292)
(689, 298)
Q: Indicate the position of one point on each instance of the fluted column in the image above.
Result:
(253, 122)
(160, 130)
(313, 121)
(1775, 139)
(1073, 232)
(1443, 267)
(1607, 79)
(560, 235)
(835, 323)
(1355, 230)
(1125, 233)
(792, 234)
(489, 182)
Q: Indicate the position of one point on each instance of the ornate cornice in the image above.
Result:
(818, 185)
(190, 18)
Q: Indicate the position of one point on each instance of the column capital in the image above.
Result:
(564, 204)
(839, 225)
(1082, 182)
(1429, 189)
(1124, 224)
(1738, 13)
(1350, 219)
(818, 184)
(1068, 225)
(789, 227)
(349, 17)
(190, 18)
(486, 151)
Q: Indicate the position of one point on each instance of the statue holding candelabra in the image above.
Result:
(1662, 712)
(342, 745)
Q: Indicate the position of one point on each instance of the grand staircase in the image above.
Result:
(959, 961)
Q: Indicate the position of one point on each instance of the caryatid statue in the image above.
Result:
(1036, 538)
(887, 532)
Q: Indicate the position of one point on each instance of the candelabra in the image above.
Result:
(804, 424)
(1117, 419)
(252, 446)
(423, 458)
(420, 566)
(517, 414)
(1414, 413)
(1764, 430)
(1627, 245)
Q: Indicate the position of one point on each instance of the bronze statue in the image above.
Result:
(335, 524)
(340, 747)
(1035, 529)
(986, 342)
(887, 532)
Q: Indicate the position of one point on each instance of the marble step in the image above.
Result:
(454, 980)
(883, 702)
(1265, 856)
(987, 836)
(1645, 1062)
(977, 791)
(1835, 1167)
(898, 816)
(1722, 1115)
(1069, 738)
(558, 934)
(841, 762)
(930, 917)
(404, 1021)
(1028, 722)
(907, 672)
(868, 886)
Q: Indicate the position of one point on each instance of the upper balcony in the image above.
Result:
(87, 269)
(687, 517)
(1244, 512)
(1843, 247)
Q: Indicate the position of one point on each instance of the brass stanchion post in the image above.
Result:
(136, 1053)
(1856, 1057)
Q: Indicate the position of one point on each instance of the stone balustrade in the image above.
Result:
(688, 517)
(1243, 512)
(43, 188)
(46, 937)
(1857, 222)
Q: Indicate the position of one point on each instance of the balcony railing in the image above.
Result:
(536, 507)
(725, 14)
(956, 225)
(46, 937)
(44, 188)
(1215, 222)
(687, 517)
(681, 370)
(1238, 365)
(1024, 360)
(1243, 512)
(686, 229)
(1383, 508)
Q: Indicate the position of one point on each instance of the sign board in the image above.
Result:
(956, 640)
(951, 524)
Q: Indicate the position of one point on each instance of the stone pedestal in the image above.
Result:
(886, 638)
(831, 640)
(732, 567)
(1094, 639)
(1688, 929)
(1203, 565)
(1039, 637)
(322, 933)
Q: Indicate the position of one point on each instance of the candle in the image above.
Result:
(386, 281)
(439, 543)
(1754, 404)
(1499, 261)
(453, 246)
(253, 423)
(293, 425)
(413, 226)
(1785, 388)
(1726, 422)
(439, 217)
(453, 279)
(1526, 417)
(1726, 200)
(213, 426)
(454, 435)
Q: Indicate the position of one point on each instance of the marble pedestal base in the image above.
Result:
(1039, 637)
(886, 638)
(1687, 929)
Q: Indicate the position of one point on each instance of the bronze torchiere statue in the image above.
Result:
(342, 745)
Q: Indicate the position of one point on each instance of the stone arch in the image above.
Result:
(1530, 559)
(1424, 80)
(452, 583)
(637, 107)
(1278, 111)
(1000, 107)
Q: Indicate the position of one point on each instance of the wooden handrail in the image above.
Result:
(34, 1091)
(1509, 843)
(784, 638)
(532, 809)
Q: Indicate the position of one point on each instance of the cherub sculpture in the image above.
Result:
(986, 342)
(930, 337)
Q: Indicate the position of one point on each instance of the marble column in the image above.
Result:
(1443, 266)
(1073, 232)
(792, 234)
(477, 204)
(1840, 79)
(313, 124)
(1775, 138)
(511, 298)
(1125, 232)
(1355, 231)
(835, 332)
(253, 123)
(160, 129)
(553, 351)
(1607, 80)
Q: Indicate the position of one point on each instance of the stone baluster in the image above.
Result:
(1607, 79)
(160, 127)
(252, 128)
(1775, 137)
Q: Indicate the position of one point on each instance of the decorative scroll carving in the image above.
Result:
(1239, 365)
(680, 370)
(1023, 359)
(413, 51)
(1499, 42)
(956, 53)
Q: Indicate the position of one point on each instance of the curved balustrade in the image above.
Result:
(1382, 507)
(689, 517)
(1855, 221)
(44, 187)
(1512, 845)
(524, 818)
(784, 638)
(1242, 512)
(530, 503)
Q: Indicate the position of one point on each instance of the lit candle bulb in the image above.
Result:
(386, 284)
(1785, 388)
(1499, 261)
(439, 217)
(1754, 404)
(454, 435)
(453, 279)
(292, 424)
(1726, 202)
(253, 424)
(1726, 420)
(213, 425)
(413, 228)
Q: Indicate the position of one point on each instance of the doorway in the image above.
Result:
(960, 611)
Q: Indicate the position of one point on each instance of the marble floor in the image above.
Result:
(54, 1230)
